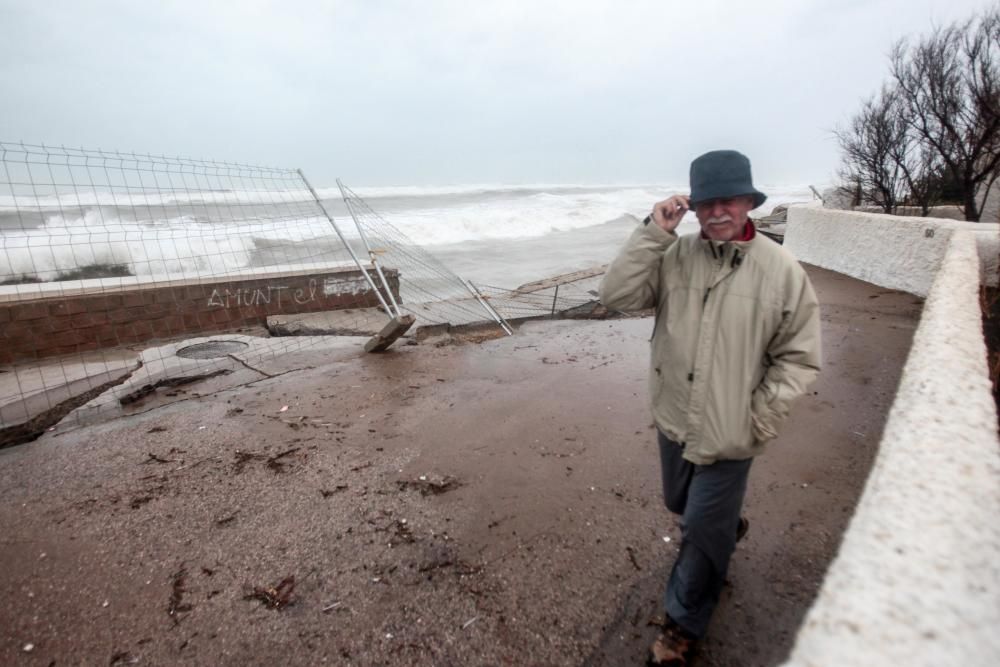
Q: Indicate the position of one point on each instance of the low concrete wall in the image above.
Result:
(946, 212)
(917, 578)
(897, 252)
(991, 203)
(45, 320)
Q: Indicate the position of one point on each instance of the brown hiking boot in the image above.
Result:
(673, 648)
(742, 528)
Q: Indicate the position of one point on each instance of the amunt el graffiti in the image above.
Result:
(257, 296)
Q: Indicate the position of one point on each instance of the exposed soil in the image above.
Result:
(458, 505)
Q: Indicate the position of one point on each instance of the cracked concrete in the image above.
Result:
(28, 391)
(161, 370)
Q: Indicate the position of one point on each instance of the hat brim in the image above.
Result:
(723, 192)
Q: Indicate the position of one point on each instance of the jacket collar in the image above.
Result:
(730, 252)
(749, 232)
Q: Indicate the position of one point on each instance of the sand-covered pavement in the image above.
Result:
(467, 504)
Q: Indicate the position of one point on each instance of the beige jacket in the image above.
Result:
(736, 337)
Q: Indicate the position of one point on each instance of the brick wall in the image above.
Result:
(36, 327)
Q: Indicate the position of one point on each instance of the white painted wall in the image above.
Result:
(991, 209)
(897, 252)
(917, 578)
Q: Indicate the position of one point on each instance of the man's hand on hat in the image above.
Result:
(667, 214)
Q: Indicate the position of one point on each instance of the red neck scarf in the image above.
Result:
(749, 231)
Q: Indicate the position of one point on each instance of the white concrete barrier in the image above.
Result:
(897, 252)
(917, 577)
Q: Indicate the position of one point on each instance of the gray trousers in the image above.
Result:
(708, 498)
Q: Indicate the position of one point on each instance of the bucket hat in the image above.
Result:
(721, 174)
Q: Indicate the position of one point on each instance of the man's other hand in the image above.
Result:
(667, 214)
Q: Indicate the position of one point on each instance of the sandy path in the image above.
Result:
(549, 550)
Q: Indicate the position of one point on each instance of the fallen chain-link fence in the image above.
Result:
(429, 291)
(515, 305)
(105, 256)
(126, 274)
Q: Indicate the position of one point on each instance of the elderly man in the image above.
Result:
(735, 340)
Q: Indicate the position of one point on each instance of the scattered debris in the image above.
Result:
(139, 501)
(171, 382)
(326, 493)
(428, 486)
(276, 597)
(242, 458)
(176, 605)
(496, 522)
(284, 408)
(331, 607)
(122, 658)
(232, 412)
(470, 622)
(402, 534)
(631, 557)
(441, 558)
(275, 463)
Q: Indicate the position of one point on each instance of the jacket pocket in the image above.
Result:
(763, 420)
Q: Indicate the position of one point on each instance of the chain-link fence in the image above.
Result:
(125, 274)
(430, 292)
(107, 257)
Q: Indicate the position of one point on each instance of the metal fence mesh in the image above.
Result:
(111, 264)
(428, 290)
(514, 304)
(105, 254)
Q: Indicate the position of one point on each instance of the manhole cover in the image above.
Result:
(212, 350)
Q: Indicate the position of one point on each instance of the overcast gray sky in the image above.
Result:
(442, 92)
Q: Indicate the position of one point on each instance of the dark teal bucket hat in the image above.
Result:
(721, 174)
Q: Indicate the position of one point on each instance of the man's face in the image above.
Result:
(724, 219)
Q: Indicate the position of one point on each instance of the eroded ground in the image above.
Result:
(460, 505)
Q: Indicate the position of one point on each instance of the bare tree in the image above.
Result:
(876, 150)
(949, 83)
(921, 168)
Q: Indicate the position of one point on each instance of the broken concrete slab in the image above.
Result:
(227, 360)
(390, 333)
(30, 390)
(346, 322)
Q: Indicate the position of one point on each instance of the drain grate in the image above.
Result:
(212, 350)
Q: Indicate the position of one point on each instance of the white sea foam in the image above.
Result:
(77, 234)
(177, 246)
(141, 200)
